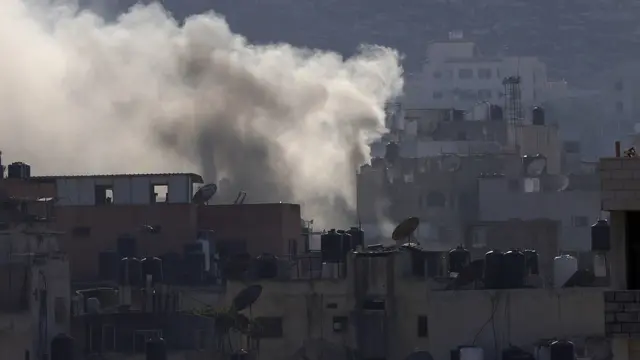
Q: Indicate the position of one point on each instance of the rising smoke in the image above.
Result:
(146, 94)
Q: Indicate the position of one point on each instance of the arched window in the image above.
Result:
(436, 199)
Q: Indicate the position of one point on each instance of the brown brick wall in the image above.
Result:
(178, 221)
(266, 228)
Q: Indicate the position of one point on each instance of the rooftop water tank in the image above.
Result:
(562, 350)
(267, 266)
(493, 269)
(600, 236)
(62, 347)
(127, 246)
(331, 246)
(357, 237)
(156, 349)
(532, 262)
(392, 152)
(564, 266)
(513, 269)
(459, 258)
(18, 170)
(537, 116)
(152, 266)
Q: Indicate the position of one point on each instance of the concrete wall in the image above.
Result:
(521, 317)
(499, 203)
(127, 189)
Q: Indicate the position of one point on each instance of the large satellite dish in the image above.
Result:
(450, 163)
(204, 194)
(555, 182)
(534, 165)
(404, 230)
(247, 297)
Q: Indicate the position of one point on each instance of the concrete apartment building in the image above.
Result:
(93, 211)
(620, 196)
(382, 309)
(457, 75)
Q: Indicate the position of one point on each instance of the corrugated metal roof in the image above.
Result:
(194, 177)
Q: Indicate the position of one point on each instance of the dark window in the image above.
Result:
(332, 306)
(423, 326)
(436, 199)
(104, 194)
(81, 231)
(484, 73)
(269, 327)
(340, 324)
(159, 193)
(465, 73)
(571, 147)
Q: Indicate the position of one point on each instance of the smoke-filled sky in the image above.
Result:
(146, 94)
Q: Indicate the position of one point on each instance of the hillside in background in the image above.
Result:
(575, 38)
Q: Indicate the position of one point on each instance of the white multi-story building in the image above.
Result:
(456, 75)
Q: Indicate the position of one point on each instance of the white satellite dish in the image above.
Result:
(450, 163)
(534, 165)
(204, 194)
(556, 182)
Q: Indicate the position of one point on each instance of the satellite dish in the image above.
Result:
(419, 355)
(247, 297)
(405, 229)
(534, 165)
(450, 163)
(204, 194)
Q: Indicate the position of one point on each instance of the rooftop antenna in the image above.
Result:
(405, 229)
(240, 198)
(204, 194)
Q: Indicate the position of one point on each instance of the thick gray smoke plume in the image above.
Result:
(146, 94)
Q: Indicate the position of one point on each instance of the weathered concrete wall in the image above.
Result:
(521, 317)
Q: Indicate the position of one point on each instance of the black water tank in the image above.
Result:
(496, 113)
(194, 267)
(532, 262)
(600, 236)
(127, 246)
(346, 242)
(515, 353)
(153, 266)
(538, 116)
(458, 115)
(62, 347)
(267, 266)
(562, 350)
(108, 265)
(331, 247)
(392, 152)
(493, 269)
(18, 170)
(156, 349)
(459, 258)
(171, 267)
(357, 237)
(514, 269)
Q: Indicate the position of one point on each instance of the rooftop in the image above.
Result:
(194, 177)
